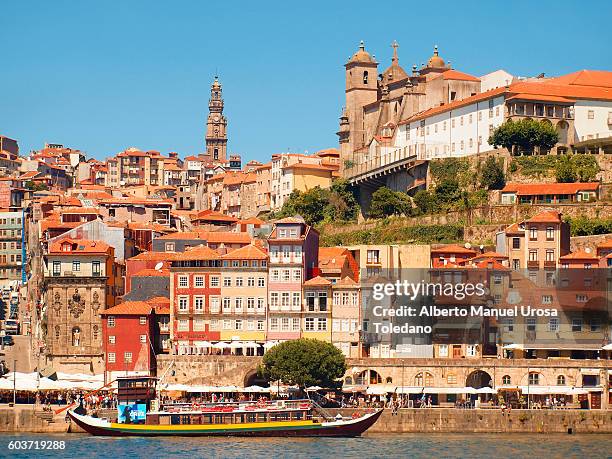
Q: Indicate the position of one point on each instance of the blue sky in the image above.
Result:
(104, 76)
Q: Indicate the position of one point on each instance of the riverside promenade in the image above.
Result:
(24, 418)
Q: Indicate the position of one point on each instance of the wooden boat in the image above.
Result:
(246, 419)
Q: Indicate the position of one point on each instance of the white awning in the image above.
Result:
(380, 389)
(435, 390)
(607, 347)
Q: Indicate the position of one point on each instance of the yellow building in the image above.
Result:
(244, 296)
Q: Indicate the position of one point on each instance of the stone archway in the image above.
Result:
(478, 379)
(252, 378)
(562, 130)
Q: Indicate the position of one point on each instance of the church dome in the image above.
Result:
(395, 72)
(436, 61)
(362, 55)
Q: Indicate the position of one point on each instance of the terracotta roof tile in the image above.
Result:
(138, 308)
(547, 216)
(317, 281)
(528, 189)
(248, 252)
(78, 247)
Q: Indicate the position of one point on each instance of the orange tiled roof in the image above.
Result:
(346, 282)
(138, 308)
(248, 252)
(317, 282)
(453, 248)
(586, 78)
(456, 75)
(154, 256)
(528, 189)
(579, 255)
(513, 229)
(548, 216)
(251, 221)
(490, 255)
(201, 252)
(78, 247)
(153, 273)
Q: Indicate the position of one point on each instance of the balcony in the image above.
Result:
(550, 264)
(533, 264)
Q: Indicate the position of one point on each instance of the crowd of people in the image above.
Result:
(47, 399)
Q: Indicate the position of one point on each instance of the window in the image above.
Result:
(531, 324)
(111, 339)
(274, 324)
(310, 324)
(550, 233)
(471, 350)
(251, 282)
(373, 257)
(57, 265)
(547, 299)
(321, 324)
(227, 305)
(553, 324)
(95, 268)
(239, 282)
(238, 304)
(183, 303)
(260, 325)
(533, 233)
(595, 324)
(296, 300)
(451, 378)
(169, 246)
(577, 325)
(443, 350)
(591, 114)
(199, 281)
(143, 320)
(580, 298)
(560, 380)
(198, 325)
(198, 303)
(238, 324)
(423, 379)
(214, 281)
(76, 266)
(143, 338)
(274, 299)
(533, 255)
(214, 304)
(285, 324)
(183, 281)
(295, 324)
(285, 299)
(274, 275)
(534, 379)
(506, 380)
(286, 275)
(260, 304)
(110, 321)
(111, 357)
(297, 275)
(227, 324)
(261, 282)
(227, 281)
(127, 357)
(250, 304)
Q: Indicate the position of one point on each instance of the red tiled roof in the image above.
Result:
(528, 189)
(251, 221)
(200, 252)
(154, 256)
(346, 282)
(153, 273)
(599, 78)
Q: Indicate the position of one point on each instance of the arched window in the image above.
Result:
(560, 380)
(389, 380)
(534, 379)
(424, 379)
(348, 381)
(76, 336)
(216, 154)
(365, 77)
(506, 380)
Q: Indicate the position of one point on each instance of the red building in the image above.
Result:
(195, 283)
(129, 333)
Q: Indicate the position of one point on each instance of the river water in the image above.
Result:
(495, 446)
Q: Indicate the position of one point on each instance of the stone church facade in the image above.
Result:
(376, 103)
(77, 277)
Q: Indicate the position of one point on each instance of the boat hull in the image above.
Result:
(352, 428)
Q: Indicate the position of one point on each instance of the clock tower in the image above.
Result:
(216, 125)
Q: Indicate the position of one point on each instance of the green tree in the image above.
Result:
(525, 135)
(33, 186)
(565, 170)
(492, 175)
(386, 202)
(448, 192)
(342, 204)
(305, 362)
(426, 202)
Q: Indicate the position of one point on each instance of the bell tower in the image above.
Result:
(216, 125)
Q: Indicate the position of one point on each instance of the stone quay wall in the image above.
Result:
(435, 420)
(443, 420)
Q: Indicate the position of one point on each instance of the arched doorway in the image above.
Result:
(562, 127)
(478, 379)
(252, 378)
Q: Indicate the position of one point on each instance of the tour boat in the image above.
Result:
(282, 418)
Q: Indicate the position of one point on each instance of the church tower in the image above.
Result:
(216, 125)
